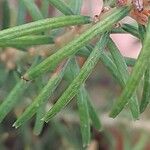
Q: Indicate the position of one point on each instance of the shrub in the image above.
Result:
(75, 36)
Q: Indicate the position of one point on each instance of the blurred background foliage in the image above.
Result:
(63, 131)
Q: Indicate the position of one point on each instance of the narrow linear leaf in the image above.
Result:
(74, 46)
(109, 64)
(6, 14)
(145, 95)
(13, 98)
(41, 98)
(137, 73)
(118, 60)
(73, 88)
(142, 31)
(33, 10)
(76, 6)
(93, 114)
(42, 25)
(129, 61)
(45, 8)
(131, 29)
(71, 72)
(84, 52)
(124, 74)
(28, 41)
(146, 91)
(118, 30)
(21, 13)
(84, 117)
(61, 6)
(38, 122)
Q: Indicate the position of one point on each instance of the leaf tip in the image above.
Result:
(112, 114)
(45, 119)
(16, 125)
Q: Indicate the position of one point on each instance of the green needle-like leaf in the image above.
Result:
(84, 52)
(76, 6)
(146, 91)
(79, 80)
(21, 13)
(119, 60)
(13, 98)
(28, 41)
(61, 6)
(145, 95)
(138, 71)
(45, 8)
(33, 9)
(131, 29)
(124, 74)
(109, 64)
(38, 122)
(6, 14)
(84, 116)
(93, 114)
(42, 25)
(142, 31)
